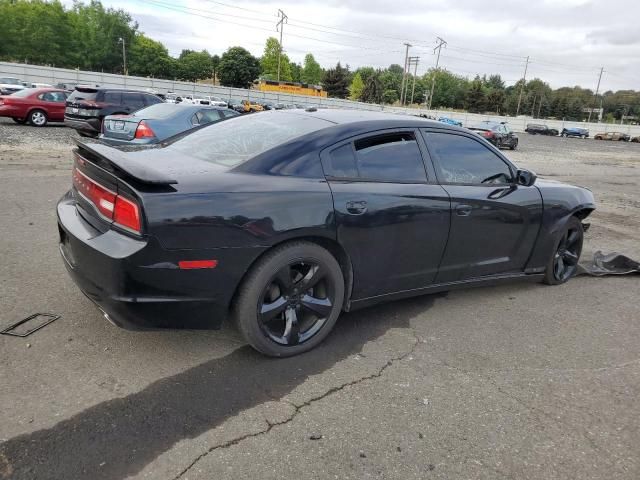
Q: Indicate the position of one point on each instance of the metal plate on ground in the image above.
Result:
(29, 325)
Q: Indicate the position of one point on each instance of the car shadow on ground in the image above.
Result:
(117, 438)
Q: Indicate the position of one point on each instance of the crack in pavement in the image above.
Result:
(299, 407)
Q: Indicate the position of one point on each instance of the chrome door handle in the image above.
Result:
(356, 207)
(463, 210)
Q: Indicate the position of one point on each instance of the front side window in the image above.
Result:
(460, 159)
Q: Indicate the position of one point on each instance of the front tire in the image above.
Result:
(38, 118)
(290, 300)
(563, 264)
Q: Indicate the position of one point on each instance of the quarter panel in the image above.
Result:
(253, 211)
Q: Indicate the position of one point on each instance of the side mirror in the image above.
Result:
(526, 178)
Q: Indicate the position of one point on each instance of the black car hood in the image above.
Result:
(572, 196)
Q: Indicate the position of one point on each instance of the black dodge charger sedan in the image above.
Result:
(283, 219)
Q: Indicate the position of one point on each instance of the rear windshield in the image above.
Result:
(231, 142)
(24, 93)
(159, 111)
(80, 95)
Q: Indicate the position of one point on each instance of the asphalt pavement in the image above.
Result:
(520, 381)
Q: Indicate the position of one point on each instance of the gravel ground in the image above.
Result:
(518, 381)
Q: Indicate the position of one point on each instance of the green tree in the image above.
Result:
(148, 58)
(193, 66)
(312, 71)
(373, 89)
(476, 99)
(238, 68)
(269, 61)
(390, 96)
(336, 81)
(296, 72)
(356, 87)
(215, 63)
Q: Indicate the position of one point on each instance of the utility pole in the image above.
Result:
(524, 81)
(124, 56)
(279, 28)
(595, 97)
(441, 43)
(413, 61)
(404, 73)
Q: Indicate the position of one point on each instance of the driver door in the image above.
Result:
(494, 221)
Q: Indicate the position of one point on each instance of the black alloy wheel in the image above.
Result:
(296, 303)
(290, 300)
(564, 262)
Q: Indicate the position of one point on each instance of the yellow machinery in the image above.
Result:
(289, 87)
(251, 107)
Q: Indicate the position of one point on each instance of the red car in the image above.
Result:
(38, 106)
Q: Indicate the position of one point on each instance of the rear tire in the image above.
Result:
(563, 263)
(38, 118)
(290, 300)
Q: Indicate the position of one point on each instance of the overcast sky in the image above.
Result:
(568, 40)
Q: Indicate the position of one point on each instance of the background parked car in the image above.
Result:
(635, 139)
(613, 136)
(574, 132)
(158, 122)
(540, 129)
(38, 106)
(87, 107)
(450, 121)
(499, 134)
(9, 85)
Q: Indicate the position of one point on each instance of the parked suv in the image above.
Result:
(539, 129)
(87, 106)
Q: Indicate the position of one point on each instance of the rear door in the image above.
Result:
(391, 215)
(54, 103)
(494, 221)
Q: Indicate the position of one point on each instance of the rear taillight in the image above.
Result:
(112, 206)
(144, 131)
(488, 134)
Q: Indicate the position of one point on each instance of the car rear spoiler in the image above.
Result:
(138, 170)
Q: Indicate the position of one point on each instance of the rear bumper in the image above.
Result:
(89, 125)
(137, 283)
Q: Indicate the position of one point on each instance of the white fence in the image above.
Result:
(52, 75)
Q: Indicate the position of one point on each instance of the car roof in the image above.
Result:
(344, 116)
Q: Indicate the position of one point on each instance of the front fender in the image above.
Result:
(560, 202)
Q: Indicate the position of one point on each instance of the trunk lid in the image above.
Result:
(122, 127)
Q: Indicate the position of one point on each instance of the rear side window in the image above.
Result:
(205, 116)
(133, 100)
(152, 99)
(392, 157)
(464, 160)
(114, 98)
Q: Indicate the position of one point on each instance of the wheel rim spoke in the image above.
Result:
(572, 239)
(312, 277)
(291, 333)
(283, 277)
(570, 258)
(269, 311)
(320, 307)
